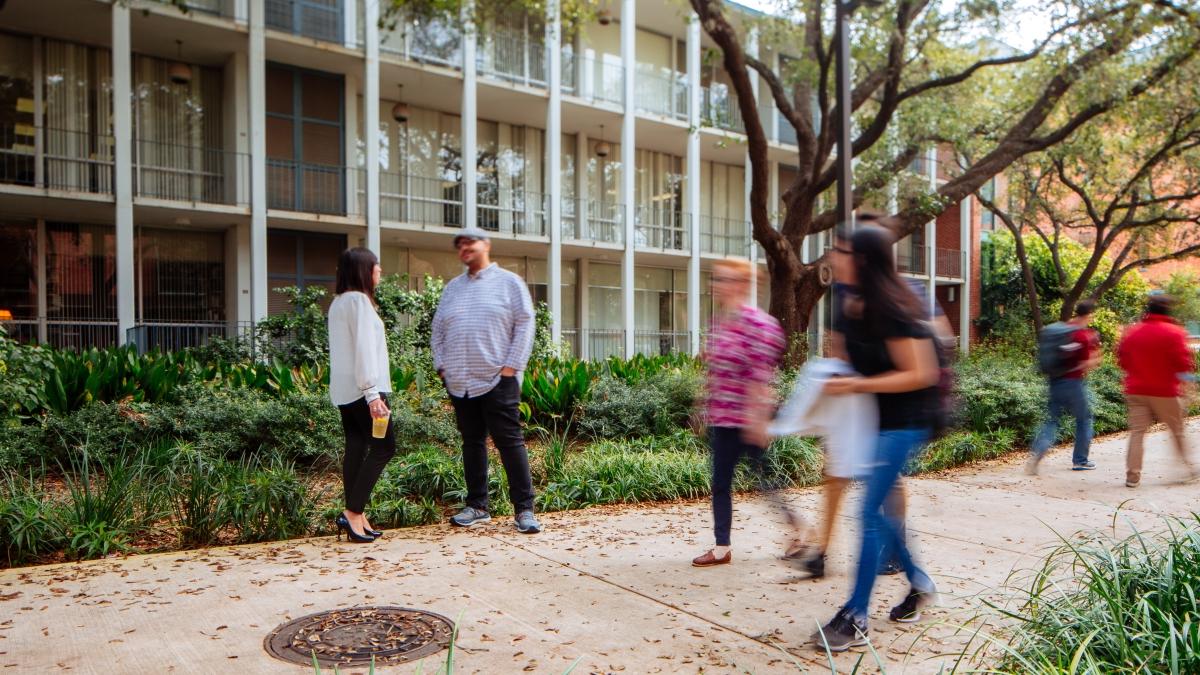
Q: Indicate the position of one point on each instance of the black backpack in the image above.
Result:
(1054, 354)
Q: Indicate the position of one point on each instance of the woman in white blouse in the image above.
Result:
(359, 382)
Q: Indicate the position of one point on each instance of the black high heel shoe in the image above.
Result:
(344, 524)
(374, 533)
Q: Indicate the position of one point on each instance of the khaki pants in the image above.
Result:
(1144, 411)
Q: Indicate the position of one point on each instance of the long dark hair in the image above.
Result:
(356, 271)
(886, 297)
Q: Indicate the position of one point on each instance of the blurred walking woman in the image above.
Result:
(882, 332)
(359, 382)
(744, 346)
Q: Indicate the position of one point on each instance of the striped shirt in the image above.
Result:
(743, 350)
(484, 322)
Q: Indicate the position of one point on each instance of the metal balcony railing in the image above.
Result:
(594, 79)
(407, 198)
(593, 220)
(223, 8)
(56, 159)
(313, 188)
(317, 19)
(661, 91)
(604, 342)
(724, 236)
(949, 263)
(661, 228)
(174, 336)
(61, 333)
(571, 337)
(660, 342)
(190, 174)
(912, 259)
(513, 211)
(512, 57)
(435, 41)
(719, 108)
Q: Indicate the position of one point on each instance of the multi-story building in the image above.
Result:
(609, 165)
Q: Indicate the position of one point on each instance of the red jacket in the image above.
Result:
(1153, 353)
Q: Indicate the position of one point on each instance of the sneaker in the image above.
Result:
(815, 565)
(527, 524)
(841, 633)
(1132, 481)
(1084, 466)
(470, 516)
(909, 609)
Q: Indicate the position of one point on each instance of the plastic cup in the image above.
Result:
(379, 426)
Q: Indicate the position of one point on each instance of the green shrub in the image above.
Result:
(1103, 605)
(1107, 398)
(964, 447)
(266, 500)
(427, 472)
(196, 496)
(657, 404)
(29, 522)
(997, 390)
(102, 510)
(422, 418)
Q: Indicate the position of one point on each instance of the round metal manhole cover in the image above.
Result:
(344, 637)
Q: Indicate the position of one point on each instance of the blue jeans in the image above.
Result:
(881, 534)
(1067, 395)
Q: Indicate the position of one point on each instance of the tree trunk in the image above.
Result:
(1027, 276)
(795, 292)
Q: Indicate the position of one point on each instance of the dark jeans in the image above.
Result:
(1067, 394)
(365, 455)
(494, 413)
(727, 448)
(881, 534)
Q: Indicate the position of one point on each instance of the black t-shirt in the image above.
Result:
(869, 355)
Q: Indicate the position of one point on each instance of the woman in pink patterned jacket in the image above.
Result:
(744, 347)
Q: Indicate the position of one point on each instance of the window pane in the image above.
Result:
(181, 275)
(280, 139)
(279, 90)
(322, 144)
(281, 254)
(18, 277)
(321, 255)
(321, 97)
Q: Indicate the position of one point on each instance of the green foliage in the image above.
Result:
(196, 496)
(552, 388)
(299, 336)
(267, 500)
(658, 402)
(1185, 288)
(28, 521)
(1000, 390)
(1108, 606)
(103, 507)
(964, 447)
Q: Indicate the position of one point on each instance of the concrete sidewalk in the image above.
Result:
(610, 586)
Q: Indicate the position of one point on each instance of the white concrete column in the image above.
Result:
(237, 245)
(40, 274)
(931, 233)
(554, 166)
(582, 274)
(693, 182)
(352, 181)
(773, 123)
(581, 185)
(470, 41)
(751, 50)
(350, 21)
(123, 170)
(257, 96)
(371, 121)
(628, 167)
(967, 246)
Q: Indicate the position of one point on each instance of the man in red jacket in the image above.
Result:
(1155, 357)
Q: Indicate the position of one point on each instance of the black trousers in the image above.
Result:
(494, 413)
(366, 456)
(727, 448)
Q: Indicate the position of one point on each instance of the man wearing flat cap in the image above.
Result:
(482, 337)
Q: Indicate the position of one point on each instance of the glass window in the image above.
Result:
(301, 259)
(18, 277)
(181, 275)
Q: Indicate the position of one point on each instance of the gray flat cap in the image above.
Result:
(471, 233)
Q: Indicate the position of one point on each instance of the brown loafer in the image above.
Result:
(708, 559)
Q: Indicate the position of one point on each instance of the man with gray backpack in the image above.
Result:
(1067, 350)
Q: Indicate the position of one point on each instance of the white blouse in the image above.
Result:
(358, 357)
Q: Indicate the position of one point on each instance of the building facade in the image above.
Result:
(262, 137)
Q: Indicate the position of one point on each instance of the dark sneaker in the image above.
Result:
(470, 516)
(527, 524)
(889, 568)
(841, 633)
(815, 565)
(909, 610)
(1084, 466)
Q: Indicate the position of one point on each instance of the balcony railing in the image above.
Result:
(512, 57)
(513, 211)
(594, 79)
(661, 91)
(661, 228)
(724, 236)
(190, 174)
(604, 342)
(570, 336)
(912, 259)
(172, 336)
(593, 221)
(77, 334)
(313, 188)
(223, 8)
(56, 159)
(435, 41)
(318, 19)
(719, 108)
(949, 263)
(659, 342)
(406, 198)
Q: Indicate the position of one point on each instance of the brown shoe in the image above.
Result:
(708, 559)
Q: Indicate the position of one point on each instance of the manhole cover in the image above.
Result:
(343, 637)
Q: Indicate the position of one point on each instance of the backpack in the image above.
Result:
(1054, 356)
